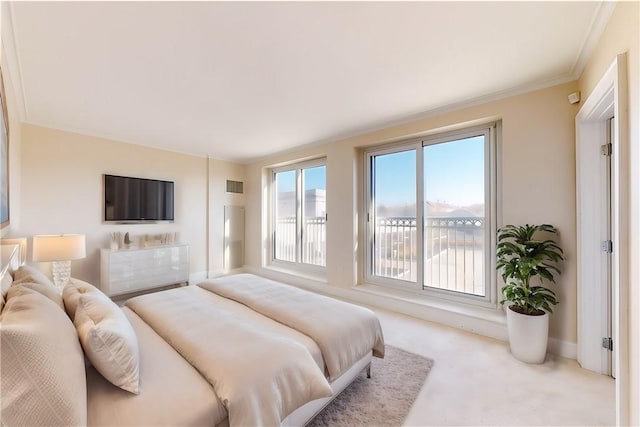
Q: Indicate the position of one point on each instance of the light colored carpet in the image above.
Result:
(382, 400)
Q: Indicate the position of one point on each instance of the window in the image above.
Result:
(431, 215)
(299, 214)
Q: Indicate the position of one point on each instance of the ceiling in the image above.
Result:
(242, 80)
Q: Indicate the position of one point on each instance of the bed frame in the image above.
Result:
(305, 413)
(10, 256)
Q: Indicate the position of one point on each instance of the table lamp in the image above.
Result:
(60, 249)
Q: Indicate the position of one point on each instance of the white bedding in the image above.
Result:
(209, 360)
(344, 332)
(260, 377)
(266, 324)
(172, 392)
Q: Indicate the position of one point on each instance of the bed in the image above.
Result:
(239, 350)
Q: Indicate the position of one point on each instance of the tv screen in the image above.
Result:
(137, 199)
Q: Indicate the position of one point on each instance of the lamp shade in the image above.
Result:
(62, 247)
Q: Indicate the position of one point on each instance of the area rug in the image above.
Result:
(382, 400)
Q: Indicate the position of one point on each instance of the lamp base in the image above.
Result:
(61, 273)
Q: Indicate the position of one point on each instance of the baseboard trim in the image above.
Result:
(563, 348)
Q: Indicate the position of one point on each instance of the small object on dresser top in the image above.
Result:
(116, 237)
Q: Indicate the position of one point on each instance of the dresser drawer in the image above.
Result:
(131, 270)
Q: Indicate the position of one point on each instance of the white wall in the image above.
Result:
(623, 35)
(61, 192)
(538, 186)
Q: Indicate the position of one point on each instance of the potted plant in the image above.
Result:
(521, 258)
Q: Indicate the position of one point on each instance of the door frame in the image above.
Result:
(609, 98)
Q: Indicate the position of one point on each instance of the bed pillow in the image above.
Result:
(42, 373)
(72, 292)
(30, 274)
(46, 290)
(108, 340)
(34, 279)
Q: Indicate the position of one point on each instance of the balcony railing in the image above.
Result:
(453, 249)
(453, 252)
(395, 248)
(314, 242)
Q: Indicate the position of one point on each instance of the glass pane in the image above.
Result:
(314, 209)
(454, 194)
(286, 229)
(394, 196)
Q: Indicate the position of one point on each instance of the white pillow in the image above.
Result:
(71, 294)
(46, 290)
(108, 340)
(30, 274)
(42, 373)
(33, 278)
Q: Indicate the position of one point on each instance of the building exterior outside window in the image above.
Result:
(299, 214)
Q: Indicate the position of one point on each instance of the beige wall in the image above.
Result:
(538, 185)
(61, 192)
(623, 35)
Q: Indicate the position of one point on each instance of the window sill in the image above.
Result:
(493, 315)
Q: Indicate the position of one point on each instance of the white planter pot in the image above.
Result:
(528, 336)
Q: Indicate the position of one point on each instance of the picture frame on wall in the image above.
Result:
(4, 158)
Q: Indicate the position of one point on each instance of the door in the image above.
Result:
(607, 233)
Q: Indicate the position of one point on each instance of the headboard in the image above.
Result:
(12, 254)
(20, 241)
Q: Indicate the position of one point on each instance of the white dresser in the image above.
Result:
(130, 270)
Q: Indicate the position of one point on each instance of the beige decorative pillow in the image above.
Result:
(1, 302)
(46, 290)
(108, 340)
(30, 274)
(42, 373)
(72, 292)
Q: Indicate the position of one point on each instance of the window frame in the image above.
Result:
(491, 132)
(297, 265)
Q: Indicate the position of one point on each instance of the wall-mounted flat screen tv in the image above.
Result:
(137, 199)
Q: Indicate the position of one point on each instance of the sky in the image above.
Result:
(454, 174)
(313, 178)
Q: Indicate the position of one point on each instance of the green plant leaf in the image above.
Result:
(521, 258)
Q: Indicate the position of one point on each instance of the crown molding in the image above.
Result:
(114, 138)
(597, 26)
(599, 22)
(456, 105)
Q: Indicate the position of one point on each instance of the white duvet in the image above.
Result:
(259, 376)
(344, 332)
